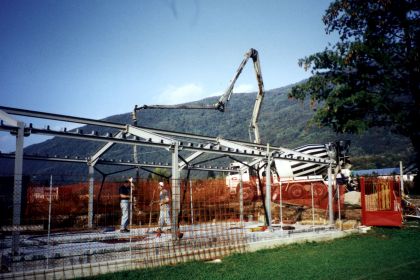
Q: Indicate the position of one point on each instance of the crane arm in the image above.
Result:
(224, 99)
(220, 105)
(253, 125)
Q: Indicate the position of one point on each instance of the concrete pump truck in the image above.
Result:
(296, 180)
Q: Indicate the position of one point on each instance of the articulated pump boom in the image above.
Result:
(221, 104)
(295, 179)
(287, 169)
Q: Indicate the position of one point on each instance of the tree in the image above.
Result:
(370, 77)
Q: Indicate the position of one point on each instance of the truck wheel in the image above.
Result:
(295, 191)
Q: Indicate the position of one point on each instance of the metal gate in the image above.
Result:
(381, 202)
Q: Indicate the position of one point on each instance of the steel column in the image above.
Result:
(268, 186)
(176, 192)
(330, 196)
(91, 187)
(17, 190)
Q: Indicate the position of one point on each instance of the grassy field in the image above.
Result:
(382, 253)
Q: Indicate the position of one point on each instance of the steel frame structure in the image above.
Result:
(141, 136)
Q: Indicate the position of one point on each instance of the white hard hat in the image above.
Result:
(161, 184)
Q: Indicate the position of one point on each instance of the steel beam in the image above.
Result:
(94, 159)
(149, 135)
(58, 117)
(283, 153)
(8, 119)
(116, 163)
(188, 147)
(66, 118)
(240, 148)
(193, 157)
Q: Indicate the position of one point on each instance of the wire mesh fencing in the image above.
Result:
(70, 227)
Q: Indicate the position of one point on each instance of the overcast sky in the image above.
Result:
(94, 59)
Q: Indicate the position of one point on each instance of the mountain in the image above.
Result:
(282, 122)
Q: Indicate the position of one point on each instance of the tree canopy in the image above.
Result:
(370, 77)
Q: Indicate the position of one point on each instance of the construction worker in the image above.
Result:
(164, 216)
(125, 197)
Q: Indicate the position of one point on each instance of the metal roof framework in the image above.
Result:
(139, 136)
(150, 137)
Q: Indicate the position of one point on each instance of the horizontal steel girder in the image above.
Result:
(247, 150)
(66, 118)
(114, 162)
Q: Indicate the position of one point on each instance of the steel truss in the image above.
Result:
(139, 136)
(150, 137)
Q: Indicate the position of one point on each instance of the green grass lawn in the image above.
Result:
(382, 253)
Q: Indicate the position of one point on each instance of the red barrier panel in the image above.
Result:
(381, 202)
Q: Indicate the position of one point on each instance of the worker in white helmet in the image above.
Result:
(164, 216)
